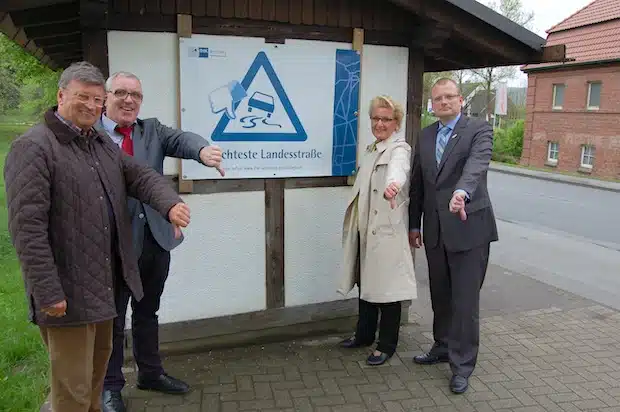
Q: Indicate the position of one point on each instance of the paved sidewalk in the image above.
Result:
(542, 350)
(556, 177)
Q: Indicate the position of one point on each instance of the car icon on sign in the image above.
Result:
(262, 102)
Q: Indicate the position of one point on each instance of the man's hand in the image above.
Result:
(212, 157)
(415, 239)
(390, 194)
(457, 205)
(179, 215)
(57, 310)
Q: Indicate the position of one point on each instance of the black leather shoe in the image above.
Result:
(377, 360)
(458, 384)
(430, 358)
(352, 343)
(164, 384)
(112, 401)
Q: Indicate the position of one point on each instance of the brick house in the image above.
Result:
(573, 108)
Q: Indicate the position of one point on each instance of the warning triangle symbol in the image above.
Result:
(299, 135)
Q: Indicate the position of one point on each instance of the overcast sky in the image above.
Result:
(547, 13)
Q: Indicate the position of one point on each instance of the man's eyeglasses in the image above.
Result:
(122, 94)
(85, 98)
(448, 97)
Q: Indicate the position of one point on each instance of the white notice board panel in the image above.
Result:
(276, 110)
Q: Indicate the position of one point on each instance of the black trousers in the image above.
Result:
(389, 325)
(154, 263)
(455, 280)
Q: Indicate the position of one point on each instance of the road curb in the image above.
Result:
(554, 177)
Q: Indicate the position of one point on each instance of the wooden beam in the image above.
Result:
(253, 327)
(46, 15)
(60, 40)
(469, 28)
(53, 30)
(184, 29)
(95, 49)
(555, 53)
(274, 239)
(13, 5)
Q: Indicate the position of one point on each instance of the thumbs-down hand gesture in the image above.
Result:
(179, 217)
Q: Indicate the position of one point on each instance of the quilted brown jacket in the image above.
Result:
(59, 221)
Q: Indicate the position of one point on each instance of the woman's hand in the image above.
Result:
(390, 193)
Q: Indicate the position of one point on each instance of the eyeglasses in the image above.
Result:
(448, 97)
(376, 119)
(85, 98)
(122, 94)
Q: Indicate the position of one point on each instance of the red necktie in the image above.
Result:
(127, 144)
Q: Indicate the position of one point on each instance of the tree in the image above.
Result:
(514, 10)
(27, 86)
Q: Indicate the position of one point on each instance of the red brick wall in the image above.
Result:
(574, 125)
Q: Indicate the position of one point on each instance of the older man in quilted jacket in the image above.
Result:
(67, 188)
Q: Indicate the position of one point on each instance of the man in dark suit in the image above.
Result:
(449, 187)
(148, 141)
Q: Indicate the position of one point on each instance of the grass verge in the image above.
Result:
(23, 359)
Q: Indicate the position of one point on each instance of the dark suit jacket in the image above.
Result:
(464, 166)
(152, 142)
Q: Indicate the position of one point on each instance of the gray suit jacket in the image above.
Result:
(152, 142)
(464, 165)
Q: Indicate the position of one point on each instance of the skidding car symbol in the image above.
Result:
(261, 101)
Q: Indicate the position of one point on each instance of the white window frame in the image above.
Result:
(584, 155)
(555, 93)
(553, 148)
(588, 105)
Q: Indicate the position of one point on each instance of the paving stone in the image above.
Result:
(535, 361)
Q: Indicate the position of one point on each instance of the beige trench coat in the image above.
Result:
(385, 266)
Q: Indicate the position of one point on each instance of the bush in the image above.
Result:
(508, 143)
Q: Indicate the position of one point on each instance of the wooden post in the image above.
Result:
(274, 241)
(358, 45)
(415, 90)
(184, 29)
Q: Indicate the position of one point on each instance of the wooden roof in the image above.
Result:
(454, 34)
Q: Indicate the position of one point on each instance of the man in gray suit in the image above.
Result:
(148, 141)
(449, 187)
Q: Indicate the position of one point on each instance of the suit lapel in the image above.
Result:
(139, 148)
(452, 141)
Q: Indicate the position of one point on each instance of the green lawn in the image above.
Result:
(23, 360)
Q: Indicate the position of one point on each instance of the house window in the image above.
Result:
(587, 156)
(558, 96)
(594, 95)
(553, 151)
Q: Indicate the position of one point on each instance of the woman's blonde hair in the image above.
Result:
(388, 103)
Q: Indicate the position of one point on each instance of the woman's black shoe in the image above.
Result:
(377, 360)
(352, 343)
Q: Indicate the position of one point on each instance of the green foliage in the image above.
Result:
(427, 119)
(27, 87)
(508, 143)
(23, 359)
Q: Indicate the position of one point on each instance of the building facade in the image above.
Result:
(573, 108)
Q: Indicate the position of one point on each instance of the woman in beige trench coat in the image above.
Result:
(377, 255)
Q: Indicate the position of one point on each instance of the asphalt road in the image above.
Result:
(565, 235)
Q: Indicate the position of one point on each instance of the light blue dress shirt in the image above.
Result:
(110, 126)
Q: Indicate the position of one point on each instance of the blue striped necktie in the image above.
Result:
(444, 133)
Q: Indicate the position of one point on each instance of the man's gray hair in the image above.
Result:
(127, 75)
(83, 72)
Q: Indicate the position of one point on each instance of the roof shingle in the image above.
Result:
(592, 34)
(596, 12)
